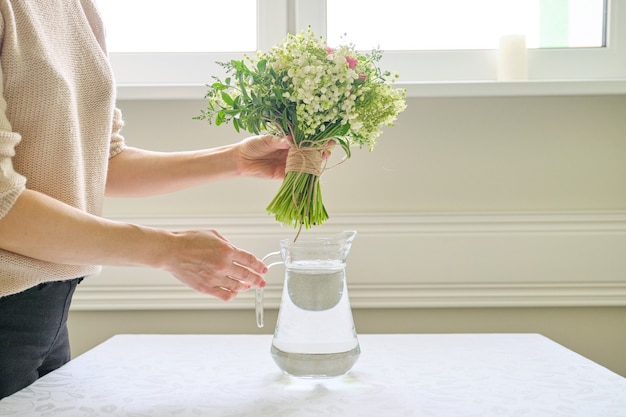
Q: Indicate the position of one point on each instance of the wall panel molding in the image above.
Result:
(404, 260)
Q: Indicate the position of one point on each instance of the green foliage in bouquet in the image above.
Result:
(303, 88)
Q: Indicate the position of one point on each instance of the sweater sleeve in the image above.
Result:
(12, 184)
(117, 140)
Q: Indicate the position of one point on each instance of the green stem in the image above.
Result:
(298, 201)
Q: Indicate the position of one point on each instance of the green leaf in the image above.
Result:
(237, 65)
(219, 118)
(242, 85)
(227, 98)
(345, 145)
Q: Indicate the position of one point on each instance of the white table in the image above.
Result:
(455, 375)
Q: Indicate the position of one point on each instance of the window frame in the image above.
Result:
(571, 71)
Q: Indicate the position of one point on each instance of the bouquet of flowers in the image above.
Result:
(315, 94)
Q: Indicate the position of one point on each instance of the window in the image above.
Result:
(429, 43)
(463, 24)
(190, 26)
(456, 40)
(181, 71)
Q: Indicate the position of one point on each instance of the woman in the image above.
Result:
(60, 152)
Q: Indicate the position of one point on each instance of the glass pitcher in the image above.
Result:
(315, 335)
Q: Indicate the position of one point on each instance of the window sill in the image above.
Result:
(414, 89)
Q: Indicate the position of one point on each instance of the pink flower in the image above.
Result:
(351, 62)
(329, 50)
(362, 77)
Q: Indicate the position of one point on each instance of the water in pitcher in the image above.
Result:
(315, 334)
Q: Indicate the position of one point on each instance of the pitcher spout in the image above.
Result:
(348, 236)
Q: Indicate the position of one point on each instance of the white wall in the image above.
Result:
(443, 155)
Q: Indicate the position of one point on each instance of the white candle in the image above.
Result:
(512, 58)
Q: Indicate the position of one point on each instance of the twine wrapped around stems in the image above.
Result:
(305, 159)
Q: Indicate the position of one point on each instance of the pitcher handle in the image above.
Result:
(258, 298)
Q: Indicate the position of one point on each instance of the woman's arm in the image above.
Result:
(137, 172)
(41, 227)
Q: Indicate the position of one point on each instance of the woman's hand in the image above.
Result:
(265, 156)
(207, 262)
(262, 156)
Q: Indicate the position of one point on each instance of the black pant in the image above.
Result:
(33, 333)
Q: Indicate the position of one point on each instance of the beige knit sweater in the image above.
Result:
(58, 122)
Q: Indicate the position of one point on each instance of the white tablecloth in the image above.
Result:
(397, 375)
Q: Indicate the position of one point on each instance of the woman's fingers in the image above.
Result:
(207, 262)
